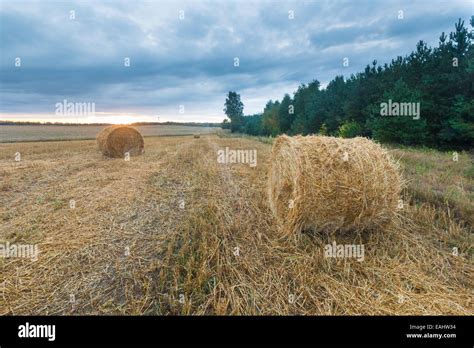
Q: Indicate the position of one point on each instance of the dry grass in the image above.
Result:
(443, 180)
(158, 235)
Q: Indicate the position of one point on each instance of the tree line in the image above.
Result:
(439, 81)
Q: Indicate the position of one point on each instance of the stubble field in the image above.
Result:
(19, 133)
(175, 232)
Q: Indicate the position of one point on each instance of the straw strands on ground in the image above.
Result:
(130, 247)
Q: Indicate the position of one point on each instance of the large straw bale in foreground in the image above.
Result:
(115, 141)
(326, 183)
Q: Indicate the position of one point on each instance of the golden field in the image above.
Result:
(175, 232)
(21, 133)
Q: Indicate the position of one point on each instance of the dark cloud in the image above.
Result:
(191, 61)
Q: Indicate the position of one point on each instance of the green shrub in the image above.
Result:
(350, 129)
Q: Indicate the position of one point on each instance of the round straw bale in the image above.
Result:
(115, 141)
(325, 183)
(197, 136)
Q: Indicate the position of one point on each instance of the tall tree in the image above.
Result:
(402, 129)
(271, 122)
(286, 113)
(234, 109)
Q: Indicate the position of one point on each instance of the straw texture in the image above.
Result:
(115, 141)
(327, 183)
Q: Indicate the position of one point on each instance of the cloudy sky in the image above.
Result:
(182, 54)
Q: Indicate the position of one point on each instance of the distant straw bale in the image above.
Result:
(116, 141)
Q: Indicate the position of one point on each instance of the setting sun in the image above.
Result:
(120, 119)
